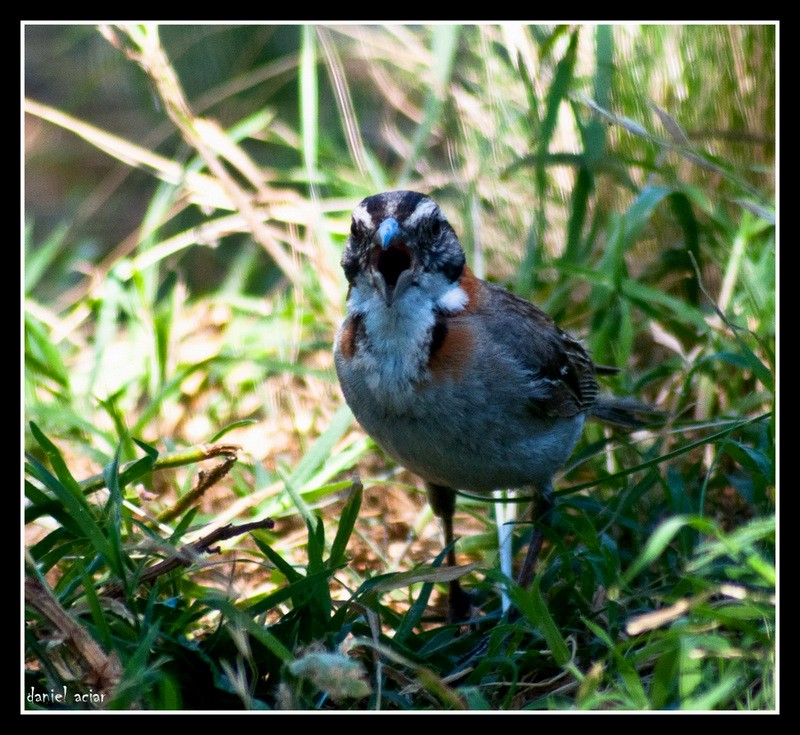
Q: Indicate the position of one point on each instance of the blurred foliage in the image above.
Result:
(187, 197)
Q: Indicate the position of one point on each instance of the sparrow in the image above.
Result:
(460, 381)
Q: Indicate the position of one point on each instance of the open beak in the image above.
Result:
(391, 261)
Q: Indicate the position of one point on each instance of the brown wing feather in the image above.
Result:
(560, 366)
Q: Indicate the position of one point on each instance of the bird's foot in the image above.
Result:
(459, 604)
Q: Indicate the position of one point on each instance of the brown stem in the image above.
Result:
(167, 461)
(204, 481)
(188, 554)
(105, 671)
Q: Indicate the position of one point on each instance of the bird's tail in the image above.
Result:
(627, 413)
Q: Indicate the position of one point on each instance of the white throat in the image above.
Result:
(400, 335)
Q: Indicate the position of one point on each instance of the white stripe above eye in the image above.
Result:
(360, 214)
(426, 208)
(453, 300)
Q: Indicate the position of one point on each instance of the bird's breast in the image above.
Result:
(442, 399)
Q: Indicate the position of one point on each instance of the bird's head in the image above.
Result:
(399, 241)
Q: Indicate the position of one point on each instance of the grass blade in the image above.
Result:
(347, 522)
(662, 537)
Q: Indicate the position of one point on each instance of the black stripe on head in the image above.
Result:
(397, 204)
(407, 204)
(376, 207)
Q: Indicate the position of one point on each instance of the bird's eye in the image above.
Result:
(436, 228)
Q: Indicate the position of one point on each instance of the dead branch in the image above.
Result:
(204, 482)
(187, 555)
(105, 671)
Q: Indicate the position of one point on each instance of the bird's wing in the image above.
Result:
(562, 381)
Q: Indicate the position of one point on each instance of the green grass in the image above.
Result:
(188, 191)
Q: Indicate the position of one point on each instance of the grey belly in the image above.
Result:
(476, 450)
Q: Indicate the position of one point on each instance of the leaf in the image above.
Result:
(414, 615)
(40, 257)
(760, 370)
(546, 624)
(594, 134)
(114, 510)
(630, 677)
(57, 463)
(136, 665)
(283, 566)
(719, 436)
(231, 427)
(532, 605)
(682, 208)
(559, 89)
(647, 296)
(297, 499)
(664, 676)
(584, 186)
(671, 126)
(322, 448)
(759, 210)
(183, 525)
(630, 125)
(294, 591)
(751, 458)
(259, 632)
(444, 47)
(347, 521)
(43, 504)
(76, 507)
(661, 538)
(714, 697)
(309, 113)
(141, 466)
(93, 603)
(642, 210)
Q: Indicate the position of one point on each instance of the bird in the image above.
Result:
(460, 381)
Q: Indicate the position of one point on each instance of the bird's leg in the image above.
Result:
(442, 500)
(505, 514)
(539, 515)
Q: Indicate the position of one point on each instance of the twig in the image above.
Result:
(105, 671)
(203, 135)
(188, 554)
(168, 461)
(735, 328)
(204, 481)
